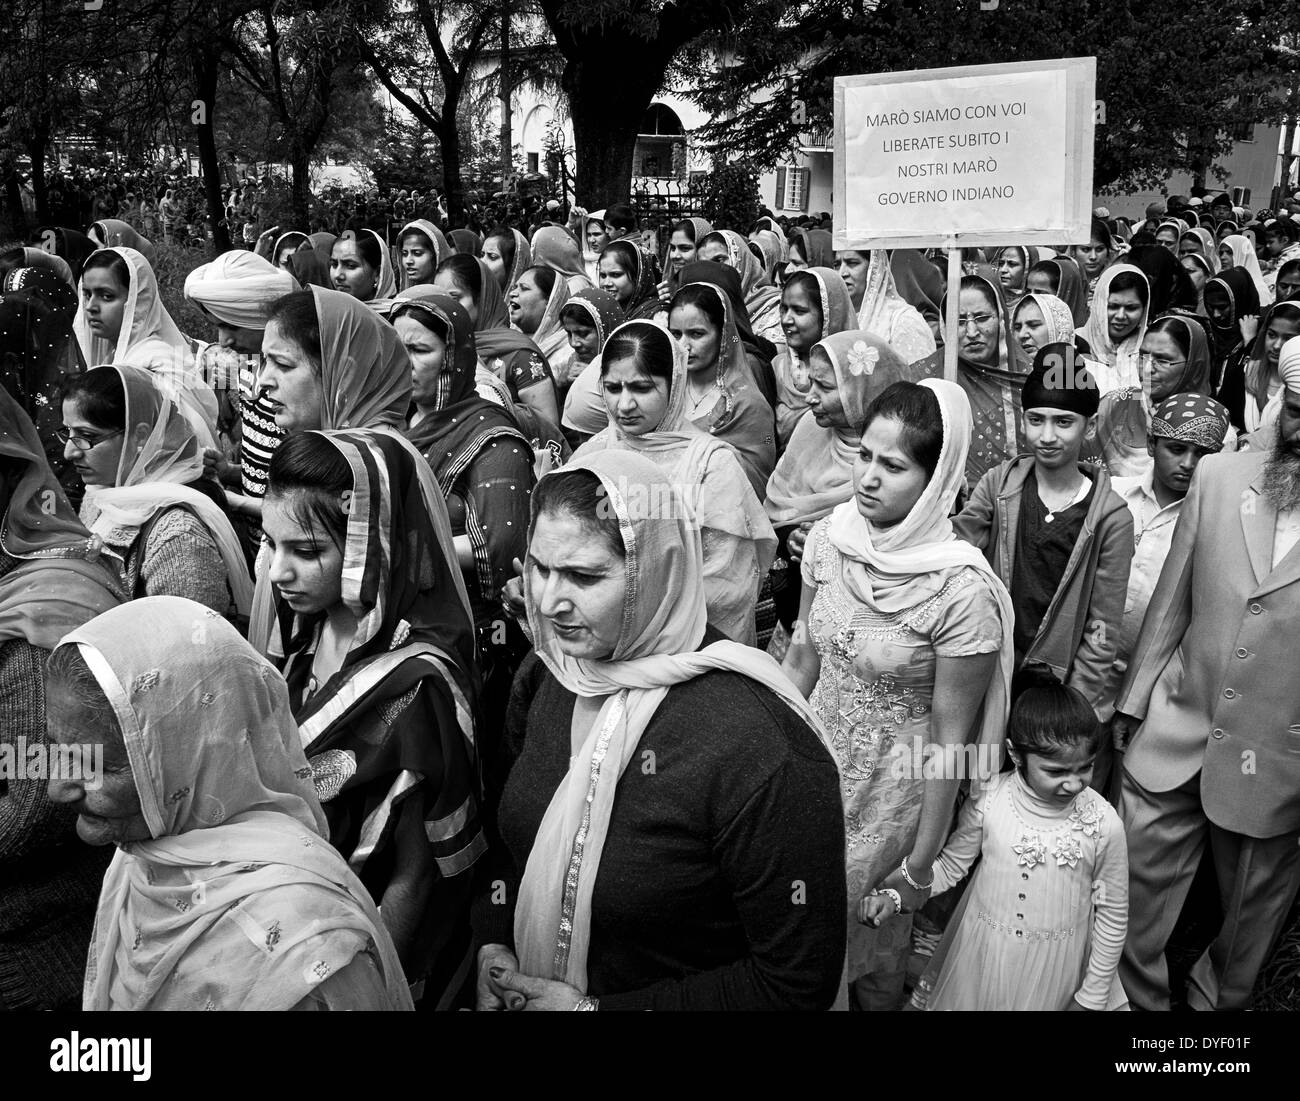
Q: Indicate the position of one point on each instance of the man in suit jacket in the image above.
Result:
(1213, 693)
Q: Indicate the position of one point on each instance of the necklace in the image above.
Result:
(1079, 495)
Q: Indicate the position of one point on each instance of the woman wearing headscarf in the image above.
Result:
(121, 320)
(52, 580)
(762, 300)
(683, 248)
(1098, 254)
(589, 318)
(507, 255)
(723, 397)
(643, 372)
(362, 265)
(507, 353)
(1201, 242)
(683, 870)
(920, 285)
(815, 304)
(374, 635)
(161, 520)
(909, 638)
(1263, 380)
(1012, 263)
(534, 304)
(627, 274)
(37, 258)
(322, 244)
(1171, 286)
(1117, 320)
(991, 368)
(1233, 305)
(775, 249)
(810, 248)
(1042, 319)
(36, 353)
(73, 246)
(465, 241)
(309, 270)
(880, 308)
(815, 473)
(332, 363)
(480, 458)
(421, 248)
(1200, 271)
(286, 244)
(1288, 280)
(114, 234)
(593, 236)
(555, 247)
(1175, 359)
(759, 351)
(1236, 251)
(224, 892)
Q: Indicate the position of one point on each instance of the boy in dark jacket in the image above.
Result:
(1056, 533)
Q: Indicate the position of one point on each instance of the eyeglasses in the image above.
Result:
(979, 320)
(1145, 359)
(81, 443)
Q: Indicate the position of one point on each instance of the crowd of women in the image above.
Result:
(531, 623)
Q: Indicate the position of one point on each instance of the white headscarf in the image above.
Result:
(663, 624)
(236, 900)
(901, 567)
(160, 456)
(1124, 356)
(149, 338)
(1243, 256)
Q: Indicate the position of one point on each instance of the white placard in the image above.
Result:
(990, 154)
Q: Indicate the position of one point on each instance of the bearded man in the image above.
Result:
(1210, 714)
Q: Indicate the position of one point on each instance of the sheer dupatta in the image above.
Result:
(663, 625)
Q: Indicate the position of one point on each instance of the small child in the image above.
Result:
(1043, 923)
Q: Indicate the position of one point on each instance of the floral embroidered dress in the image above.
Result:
(874, 699)
(1046, 915)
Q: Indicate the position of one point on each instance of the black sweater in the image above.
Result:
(722, 882)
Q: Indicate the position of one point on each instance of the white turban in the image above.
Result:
(238, 287)
(1288, 365)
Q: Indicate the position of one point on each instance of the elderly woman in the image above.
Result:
(684, 848)
(51, 582)
(224, 892)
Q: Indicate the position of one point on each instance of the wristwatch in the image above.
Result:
(587, 1003)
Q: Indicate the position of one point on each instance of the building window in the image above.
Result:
(792, 188)
(533, 161)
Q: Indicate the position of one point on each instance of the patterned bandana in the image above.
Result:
(1191, 418)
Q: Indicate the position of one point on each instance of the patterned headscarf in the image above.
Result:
(1191, 418)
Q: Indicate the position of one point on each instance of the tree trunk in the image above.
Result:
(300, 163)
(507, 140)
(13, 194)
(205, 81)
(604, 132)
(449, 142)
(37, 147)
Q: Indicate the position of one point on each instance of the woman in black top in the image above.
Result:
(672, 818)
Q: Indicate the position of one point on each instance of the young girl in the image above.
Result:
(1043, 924)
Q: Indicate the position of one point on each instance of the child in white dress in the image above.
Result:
(1043, 923)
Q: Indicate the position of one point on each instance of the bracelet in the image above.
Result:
(912, 882)
(893, 897)
(586, 1003)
